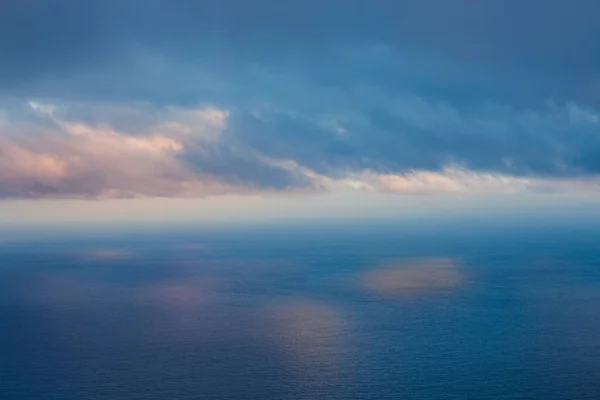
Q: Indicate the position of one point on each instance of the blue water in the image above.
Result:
(286, 313)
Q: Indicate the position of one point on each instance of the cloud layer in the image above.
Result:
(115, 99)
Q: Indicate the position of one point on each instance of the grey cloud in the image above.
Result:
(525, 50)
(241, 168)
(338, 87)
(403, 134)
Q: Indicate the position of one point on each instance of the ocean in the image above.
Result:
(330, 311)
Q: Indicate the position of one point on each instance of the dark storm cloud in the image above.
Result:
(338, 87)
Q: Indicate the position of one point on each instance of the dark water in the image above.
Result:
(311, 313)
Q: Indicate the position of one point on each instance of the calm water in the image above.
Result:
(311, 313)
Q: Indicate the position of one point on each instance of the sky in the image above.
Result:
(123, 110)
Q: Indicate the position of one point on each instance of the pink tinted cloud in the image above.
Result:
(74, 159)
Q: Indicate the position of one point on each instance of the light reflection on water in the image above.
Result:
(300, 318)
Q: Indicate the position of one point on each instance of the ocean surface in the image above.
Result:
(304, 312)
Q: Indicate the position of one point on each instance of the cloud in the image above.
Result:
(414, 277)
(70, 158)
(95, 150)
(502, 46)
(184, 99)
(401, 134)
